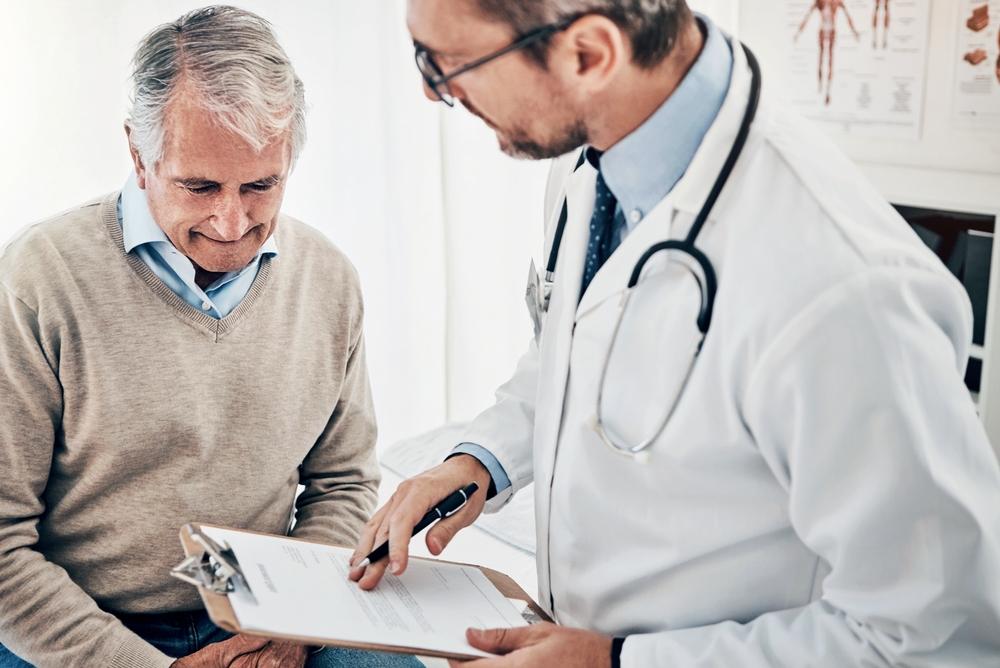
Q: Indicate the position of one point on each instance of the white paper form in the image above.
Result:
(302, 589)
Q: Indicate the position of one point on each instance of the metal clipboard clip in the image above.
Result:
(215, 569)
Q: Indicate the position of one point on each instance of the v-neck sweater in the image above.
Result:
(125, 413)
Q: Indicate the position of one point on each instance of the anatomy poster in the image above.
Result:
(861, 64)
(977, 64)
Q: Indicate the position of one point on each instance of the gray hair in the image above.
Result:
(651, 25)
(234, 62)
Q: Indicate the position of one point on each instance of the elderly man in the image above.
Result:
(177, 351)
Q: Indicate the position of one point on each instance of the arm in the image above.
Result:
(802, 26)
(501, 436)
(498, 440)
(861, 414)
(504, 431)
(340, 473)
(849, 21)
(45, 618)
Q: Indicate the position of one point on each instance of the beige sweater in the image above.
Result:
(125, 413)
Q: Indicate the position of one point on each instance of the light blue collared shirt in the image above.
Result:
(147, 240)
(643, 167)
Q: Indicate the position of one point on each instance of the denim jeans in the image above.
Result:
(182, 633)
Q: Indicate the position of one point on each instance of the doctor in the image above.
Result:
(763, 453)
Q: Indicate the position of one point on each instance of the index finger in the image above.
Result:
(366, 541)
(400, 532)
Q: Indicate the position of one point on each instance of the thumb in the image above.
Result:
(441, 533)
(498, 641)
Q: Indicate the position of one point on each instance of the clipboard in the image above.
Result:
(215, 571)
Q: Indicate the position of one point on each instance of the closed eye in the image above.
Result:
(263, 185)
(198, 186)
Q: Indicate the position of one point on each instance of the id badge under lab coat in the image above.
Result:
(533, 298)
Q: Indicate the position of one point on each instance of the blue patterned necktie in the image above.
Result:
(601, 232)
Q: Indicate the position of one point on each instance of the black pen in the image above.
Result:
(449, 506)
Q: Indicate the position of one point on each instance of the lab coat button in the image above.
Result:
(635, 215)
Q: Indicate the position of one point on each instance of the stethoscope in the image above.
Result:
(707, 283)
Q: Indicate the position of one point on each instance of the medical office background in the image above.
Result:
(440, 225)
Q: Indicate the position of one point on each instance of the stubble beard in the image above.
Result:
(519, 145)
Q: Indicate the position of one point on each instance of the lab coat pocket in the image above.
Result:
(640, 365)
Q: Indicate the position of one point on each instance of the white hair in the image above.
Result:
(232, 60)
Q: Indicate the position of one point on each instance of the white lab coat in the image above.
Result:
(824, 494)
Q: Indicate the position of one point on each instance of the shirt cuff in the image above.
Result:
(500, 480)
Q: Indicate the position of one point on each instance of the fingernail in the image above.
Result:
(435, 544)
(395, 567)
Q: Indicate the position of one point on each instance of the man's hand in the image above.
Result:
(244, 651)
(414, 497)
(222, 654)
(274, 655)
(539, 645)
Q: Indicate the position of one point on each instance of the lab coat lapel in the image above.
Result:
(565, 292)
(691, 191)
(557, 344)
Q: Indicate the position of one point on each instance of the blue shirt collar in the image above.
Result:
(139, 227)
(644, 166)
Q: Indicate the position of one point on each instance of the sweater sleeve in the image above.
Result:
(45, 618)
(340, 473)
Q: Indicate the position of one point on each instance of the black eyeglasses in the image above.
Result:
(437, 80)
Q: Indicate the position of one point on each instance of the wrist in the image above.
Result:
(477, 471)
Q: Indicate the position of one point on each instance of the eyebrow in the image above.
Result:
(437, 52)
(200, 181)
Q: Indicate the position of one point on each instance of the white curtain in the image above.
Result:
(439, 223)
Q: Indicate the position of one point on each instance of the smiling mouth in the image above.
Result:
(226, 243)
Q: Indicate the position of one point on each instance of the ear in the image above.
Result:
(140, 168)
(592, 51)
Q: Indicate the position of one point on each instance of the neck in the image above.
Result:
(639, 93)
(203, 278)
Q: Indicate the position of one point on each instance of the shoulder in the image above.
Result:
(810, 234)
(806, 202)
(46, 251)
(317, 262)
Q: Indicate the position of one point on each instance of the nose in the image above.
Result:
(230, 221)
